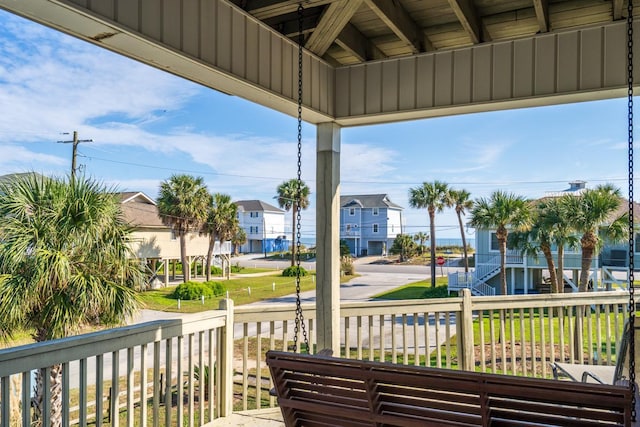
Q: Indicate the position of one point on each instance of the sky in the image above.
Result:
(146, 125)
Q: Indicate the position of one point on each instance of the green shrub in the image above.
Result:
(292, 271)
(192, 291)
(217, 288)
(236, 268)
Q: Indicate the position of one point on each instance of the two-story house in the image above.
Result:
(369, 223)
(264, 226)
(526, 274)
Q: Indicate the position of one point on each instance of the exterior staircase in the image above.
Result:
(476, 280)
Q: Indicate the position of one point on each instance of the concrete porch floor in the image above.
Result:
(270, 417)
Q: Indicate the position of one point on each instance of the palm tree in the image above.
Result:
(434, 197)
(554, 215)
(594, 216)
(293, 195)
(421, 237)
(65, 262)
(222, 220)
(501, 212)
(182, 205)
(238, 239)
(460, 200)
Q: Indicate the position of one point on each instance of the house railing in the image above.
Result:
(198, 369)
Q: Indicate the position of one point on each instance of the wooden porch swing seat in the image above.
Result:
(325, 391)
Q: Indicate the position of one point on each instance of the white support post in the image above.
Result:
(328, 236)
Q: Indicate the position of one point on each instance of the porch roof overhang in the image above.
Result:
(416, 60)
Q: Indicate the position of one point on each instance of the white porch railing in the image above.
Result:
(517, 335)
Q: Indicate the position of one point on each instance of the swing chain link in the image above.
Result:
(299, 322)
(632, 304)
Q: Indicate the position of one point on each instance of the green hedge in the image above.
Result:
(292, 271)
(196, 290)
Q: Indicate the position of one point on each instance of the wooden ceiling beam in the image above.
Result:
(617, 9)
(542, 13)
(400, 22)
(264, 9)
(354, 42)
(468, 17)
(335, 17)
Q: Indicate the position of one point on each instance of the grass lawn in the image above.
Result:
(417, 290)
(242, 290)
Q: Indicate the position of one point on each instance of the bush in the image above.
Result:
(236, 268)
(217, 288)
(292, 271)
(346, 266)
(191, 291)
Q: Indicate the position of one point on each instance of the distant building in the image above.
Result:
(369, 223)
(264, 225)
(526, 274)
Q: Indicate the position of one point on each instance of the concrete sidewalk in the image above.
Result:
(270, 417)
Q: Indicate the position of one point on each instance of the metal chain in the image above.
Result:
(299, 324)
(632, 304)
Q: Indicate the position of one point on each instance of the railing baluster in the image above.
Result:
(347, 337)
(523, 346)
(143, 384)
(394, 349)
(416, 341)
(532, 334)
(203, 377)
(561, 333)
(179, 381)
(245, 367)
(447, 342)
(5, 398)
(543, 342)
(438, 341)
(405, 347)
(46, 396)
(157, 388)
(503, 340)
(168, 380)
(259, 365)
(26, 398)
(99, 389)
(371, 346)
(514, 355)
(212, 374)
(190, 381)
(115, 388)
(64, 393)
(381, 319)
(359, 337)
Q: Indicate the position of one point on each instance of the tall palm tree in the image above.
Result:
(502, 211)
(65, 262)
(182, 205)
(434, 197)
(293, 196)
(460, 200)
(594, 216)
(555, 216)
(421, 237)
(222, 220)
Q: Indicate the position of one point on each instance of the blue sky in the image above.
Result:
(147, 125)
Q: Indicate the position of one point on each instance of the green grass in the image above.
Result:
(417, 290)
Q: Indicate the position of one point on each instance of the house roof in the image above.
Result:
(368, 201)
(140, 210)
(256, 205)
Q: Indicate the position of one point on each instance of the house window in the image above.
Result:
(352, 211)
(254, 214)
(173, 235)
(495, 245)
(637, 243)
(375, 228)
(375, 211)
(392, 228)
(348, 228)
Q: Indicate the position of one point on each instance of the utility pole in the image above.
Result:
(74, 153)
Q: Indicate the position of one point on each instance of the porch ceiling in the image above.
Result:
(366, 61)
(346, 32)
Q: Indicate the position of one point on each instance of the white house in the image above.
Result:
(369, 223)
(264, 225)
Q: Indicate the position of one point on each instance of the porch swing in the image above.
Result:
(321, 390)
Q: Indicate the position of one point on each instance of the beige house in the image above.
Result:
(155, 243)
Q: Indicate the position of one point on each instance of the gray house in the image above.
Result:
(369, 223)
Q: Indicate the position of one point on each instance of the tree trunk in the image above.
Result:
(560, 274)
(588, 241)
(56, 397)
(546, 250)
(186, 270)
(432, 230)
(464, 243)
(501, 235)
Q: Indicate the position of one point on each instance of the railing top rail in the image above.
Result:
(38, 355)
(549, 300)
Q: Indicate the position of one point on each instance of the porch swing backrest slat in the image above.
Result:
(318, 390)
